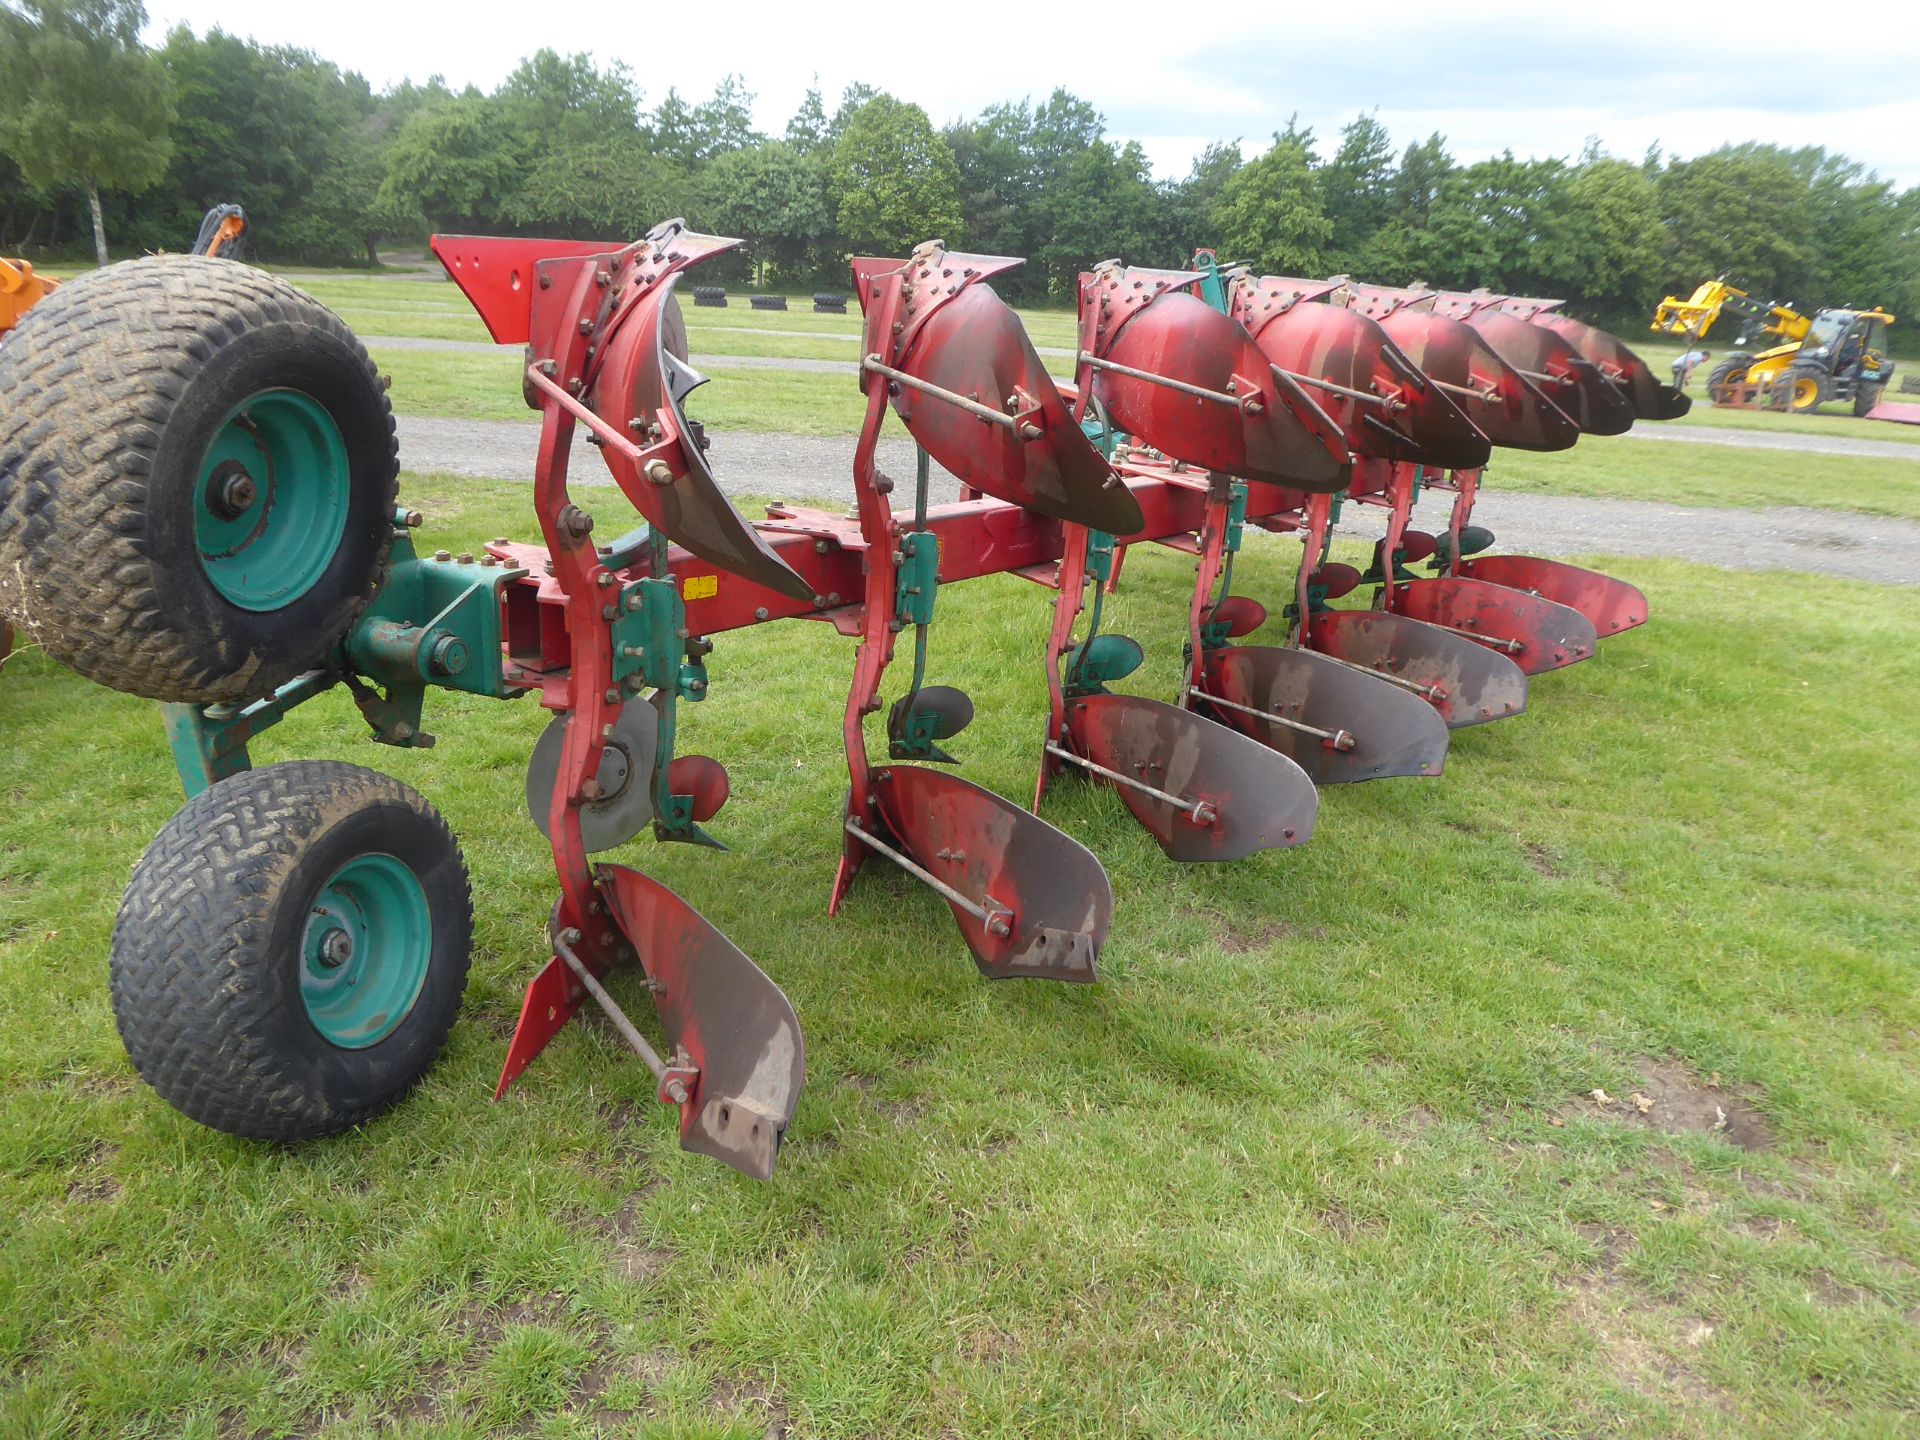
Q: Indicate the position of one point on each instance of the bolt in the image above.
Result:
(337, 948)
(759, 612)
(465, 557)
(443, 555)
(676, 1092)
(403, 731)
(414, 519)
(591, 789)
(448, 655)
(612, 697)
(586, 324)
(659, 474)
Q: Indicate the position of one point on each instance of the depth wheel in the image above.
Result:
(197, 473)
(291, 951)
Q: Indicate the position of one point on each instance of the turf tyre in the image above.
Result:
(1728, 373)
(111, 393)
(1791, 391)
(207, 950)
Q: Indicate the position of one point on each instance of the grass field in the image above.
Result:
(1321, 1156)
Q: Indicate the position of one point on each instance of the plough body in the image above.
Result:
(1204, 402)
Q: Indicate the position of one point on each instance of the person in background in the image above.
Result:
(1686, 364)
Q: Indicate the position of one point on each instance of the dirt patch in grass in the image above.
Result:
(1541, 860)
(1260, 937)
(1618, 1318)
(751, 1399)
(1672, 1100)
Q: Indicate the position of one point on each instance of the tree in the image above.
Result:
(1741, 213)
(80, 101)
(807, 130)
(772, 197)
(1504, 223)
(1357, 185)
(1270, 211)
(1617, 237)
(893, 179)
(597, 190)
(553, 100)
(1102, 205)
(453, 165)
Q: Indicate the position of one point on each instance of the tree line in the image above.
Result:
(103, 140)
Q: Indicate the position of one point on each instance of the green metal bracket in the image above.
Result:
(917, 578)
(434, 622)
(652, 649)
(209, 742)
(1213, 286)
(650, 642)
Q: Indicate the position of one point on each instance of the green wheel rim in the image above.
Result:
(363, 958)
(270, 508)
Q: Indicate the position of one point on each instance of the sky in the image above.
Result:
(1538, 78)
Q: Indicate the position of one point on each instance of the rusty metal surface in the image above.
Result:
(1578, 386)
(1260, 800)
(1465, 682)
(1544, 635)
(723, 1017)
(976, 346)
(1612, 605)
(1414, 419)
(999, 855)
(1651, 397)
(641, 390)
(1394, 731)
(1268, 430)
(1507, 408)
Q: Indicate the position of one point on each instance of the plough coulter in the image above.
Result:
(291, 950)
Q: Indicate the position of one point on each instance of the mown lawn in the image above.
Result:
(1320, 1156)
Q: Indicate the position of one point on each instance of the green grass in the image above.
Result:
(1313, 1159)
(1621, 467)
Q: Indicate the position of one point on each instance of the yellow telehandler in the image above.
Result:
(1832, 355)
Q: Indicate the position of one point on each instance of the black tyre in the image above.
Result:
(1801, 388)
(291, 951)
(1866, 397)
(1724, 379)
(197, 473)
(767, 302)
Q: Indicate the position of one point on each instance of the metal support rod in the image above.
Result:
(995, 920)
(1492, 642)
(635, 1040)
(1198, 811)
(1426, 692)
(1338, 739)
(1486, 396)
(1221, 396)
(1542, 379)
(1385, 402)
(1028, 431)
(582, 413)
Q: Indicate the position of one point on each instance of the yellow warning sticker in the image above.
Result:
(700, 587)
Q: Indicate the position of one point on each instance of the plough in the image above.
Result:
(1204, 402)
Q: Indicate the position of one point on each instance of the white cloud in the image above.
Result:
(1535, 78)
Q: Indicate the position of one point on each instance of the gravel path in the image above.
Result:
(817, 469)
(1780, 440)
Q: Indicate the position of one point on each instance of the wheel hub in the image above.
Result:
(364, 959)
(270, 509)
